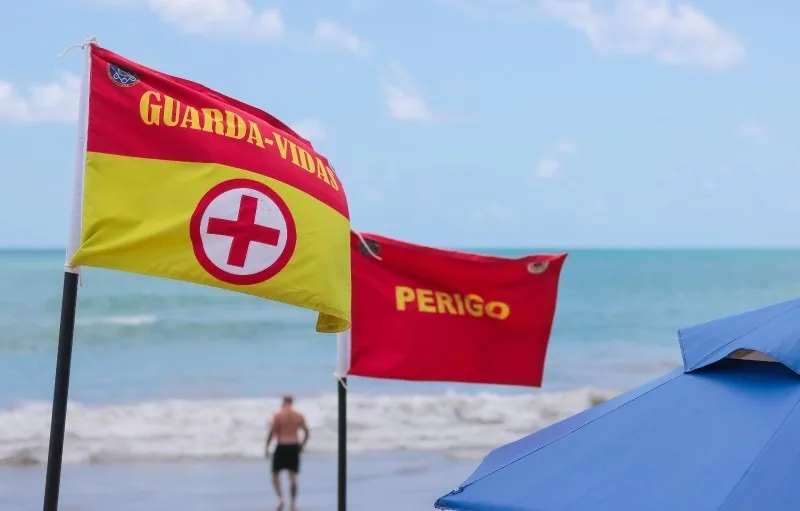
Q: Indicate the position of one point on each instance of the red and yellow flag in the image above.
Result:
(185, 183)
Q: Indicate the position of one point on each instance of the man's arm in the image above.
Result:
(270, 436)
(306, 432)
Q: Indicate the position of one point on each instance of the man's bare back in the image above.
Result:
(286, 426)
(285, 430)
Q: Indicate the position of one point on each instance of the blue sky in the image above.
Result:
(467, 123)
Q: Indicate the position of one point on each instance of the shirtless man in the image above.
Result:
(286, 424)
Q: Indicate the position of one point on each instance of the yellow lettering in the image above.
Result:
(191, 118)
(150, 113)
(236, 128)
(332, 172)
(474, 305)
(254, 136)
(497, 310)
(283, 144)
(293, 149)
(321, 170)
(157, 109)
(459, 303)
(425, 300)
(334, 184)
(403, 295)
(444, 302)
(213, 121)
(306, 161)
(172, 111)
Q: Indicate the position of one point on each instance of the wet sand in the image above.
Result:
(396, 482)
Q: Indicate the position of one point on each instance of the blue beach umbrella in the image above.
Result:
(721, 434)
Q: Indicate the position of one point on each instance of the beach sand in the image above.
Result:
(408, 481)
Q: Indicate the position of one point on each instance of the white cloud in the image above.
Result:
(310, 129)
(678, 34)
(403, 99)
(671, 32)
(547, 168)
(550, 165)
(332, 34)
(48, 102)
(753, 130)
(220, 18)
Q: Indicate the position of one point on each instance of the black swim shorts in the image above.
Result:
(286, 457)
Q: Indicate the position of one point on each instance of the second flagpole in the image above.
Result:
(342, 450)
(342, 368)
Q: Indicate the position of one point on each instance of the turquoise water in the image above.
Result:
(169, 371)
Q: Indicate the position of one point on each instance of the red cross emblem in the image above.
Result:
(242, 232)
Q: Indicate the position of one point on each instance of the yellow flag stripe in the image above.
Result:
(136, 216)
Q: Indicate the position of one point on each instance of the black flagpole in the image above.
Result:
(69, 299)
(367, 247)
(342, 451)
(58, 419)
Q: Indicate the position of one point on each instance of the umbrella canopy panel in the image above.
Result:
(725, 438)
(721, 434)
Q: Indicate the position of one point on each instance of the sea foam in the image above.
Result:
(463, 426)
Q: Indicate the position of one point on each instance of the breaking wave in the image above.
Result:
(463, 426)
(132, 320)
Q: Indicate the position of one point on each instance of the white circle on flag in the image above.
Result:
(236, 245)
(242, 232)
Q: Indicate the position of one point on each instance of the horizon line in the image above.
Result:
(539, 248)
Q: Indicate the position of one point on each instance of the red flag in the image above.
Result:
(426, 314)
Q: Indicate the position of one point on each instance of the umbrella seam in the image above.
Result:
(697, 365)
(772, 438)
(562, 436)
(680, 345)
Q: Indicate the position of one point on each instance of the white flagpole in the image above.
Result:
(69, 298)
(342, 354)
(76, 198)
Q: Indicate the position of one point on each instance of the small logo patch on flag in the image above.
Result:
(122, 77)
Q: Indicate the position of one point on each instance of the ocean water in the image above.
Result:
(167, 374)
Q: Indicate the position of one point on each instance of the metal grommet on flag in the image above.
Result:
(538, 267)
(368, 247)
